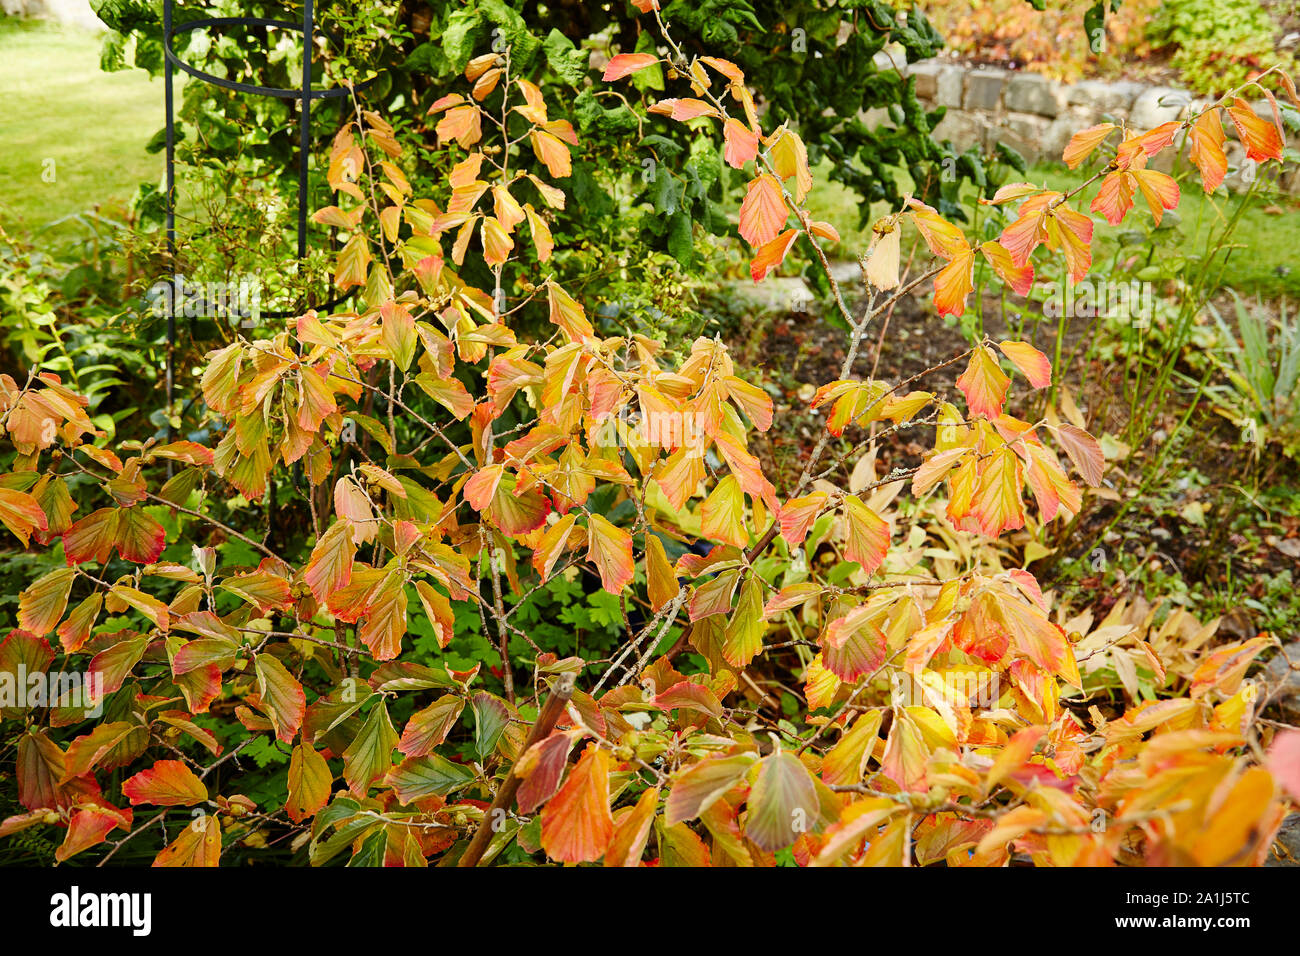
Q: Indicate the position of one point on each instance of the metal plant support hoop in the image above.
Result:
(304, 93)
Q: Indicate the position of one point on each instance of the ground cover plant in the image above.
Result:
(473, 572)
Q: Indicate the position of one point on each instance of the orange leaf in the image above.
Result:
(610, 549)
(1260, 137)
(984, 383)
(867, 539)
(771, 254)
(1032, 363)
(1206, 138)
(576, 823)
(626, 64)
(168, 783)
(741, 143)
(1083, 143)
(954, 283)
(763, 211)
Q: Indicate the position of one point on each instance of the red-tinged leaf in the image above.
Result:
(1014, 756)
(139, 537)
(92, 538)
(114, 664)
(763, 211)
(1020, 278)
(1260, 137)
(610, 549)
(691, 696)
(771, 254)
(75, 631)
(385, 622)
(683, 109)
(1223, 669)
(954, 283)
(797, 515)
(438, 610)
(1032, 363)
(42, 603)
(984, 383)
(517, 513)
(168, 783)
(935, 468)
(1115, 197)
(854, 644)
(282, 697)
(792, 595)
(1083, 143)
(905, 758)
(541, 768)
(626, 64)
(741, 143)
(461, 123)
(429, 727)
(1284, 761)
(1206, 138)
(1072, 232)
(998, 506)
(1083, 451)
(746, 468)
(199, 844)
(21, 514)
(783, 802)
(89, 827)
(867, 535)
(576, 823)
(1158, 189)
(698, 786)
(632, 830)
(40, 768)
(85, 753)
(330, 565)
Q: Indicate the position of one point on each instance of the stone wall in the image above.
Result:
(1037, 116)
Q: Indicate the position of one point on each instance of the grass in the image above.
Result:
(60, 106)
(1265, 263)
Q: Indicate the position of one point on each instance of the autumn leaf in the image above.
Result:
(763, 211)
(309, 783)
(1084, 142)
(1260, 137)
(577, 826)
(627, 63)
(867, 539)
(610, 549)
(984, 383)
(1207, 139)
(168, 783)
(741, 143)
(1032, 363)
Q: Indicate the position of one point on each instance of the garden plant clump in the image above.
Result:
(510, 557)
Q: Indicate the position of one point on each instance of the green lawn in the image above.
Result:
(1265, 264)
(60, 106)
